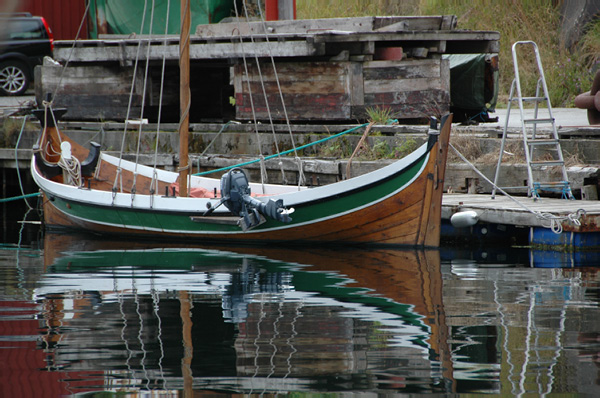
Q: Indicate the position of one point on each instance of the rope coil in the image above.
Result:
(72, 170)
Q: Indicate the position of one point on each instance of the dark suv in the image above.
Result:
(24, 41)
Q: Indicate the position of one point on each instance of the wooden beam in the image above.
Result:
(312, 26)
(111, 51)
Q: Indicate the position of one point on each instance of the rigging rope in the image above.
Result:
(250, 97)
(59, 84)
(555, 221)
(262, 84)
(135, 68)
(154, 181)
(145, 84)
(301, 179)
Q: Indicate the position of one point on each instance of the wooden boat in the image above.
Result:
(398, 204)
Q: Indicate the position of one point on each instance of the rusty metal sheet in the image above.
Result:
(63, 16)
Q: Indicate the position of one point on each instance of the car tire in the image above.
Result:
(14, 78)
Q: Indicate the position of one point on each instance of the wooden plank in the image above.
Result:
(523, 211)
(94, 79)
(457, 42)
(413, 23)
(405, 69)
(296, 72)
(408, 88)
(311, 90)
(288, 46)
(358, 24)
(298, 107)
(438, 35)
(90, 92)
(356, 84)
(128, 52)
(420, 84)
(301, 87)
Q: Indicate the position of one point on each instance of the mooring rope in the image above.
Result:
(555, 221)
(24, 196)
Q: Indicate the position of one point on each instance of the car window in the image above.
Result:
(24, 30)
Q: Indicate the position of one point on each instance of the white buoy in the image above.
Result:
(464, 219)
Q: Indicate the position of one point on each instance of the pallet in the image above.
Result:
(330, 69)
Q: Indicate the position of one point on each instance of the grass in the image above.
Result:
(568, 72)
(379, 115)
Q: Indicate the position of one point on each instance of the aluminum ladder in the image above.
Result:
(537, 150)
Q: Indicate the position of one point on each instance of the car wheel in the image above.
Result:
(14, 79)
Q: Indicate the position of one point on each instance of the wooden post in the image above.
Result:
(184, 96)
(185, 308)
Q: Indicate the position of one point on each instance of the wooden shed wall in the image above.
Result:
(311, 90)
(344, 90)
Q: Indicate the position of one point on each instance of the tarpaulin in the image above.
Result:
(135, 16)
(471, 86)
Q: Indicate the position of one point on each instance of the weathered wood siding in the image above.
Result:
(91, 92)
(409, 89)
(343, 90)
(310, 90)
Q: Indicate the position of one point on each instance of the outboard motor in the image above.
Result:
(235, 195)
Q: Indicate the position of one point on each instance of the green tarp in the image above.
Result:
(469, 87)
(126, 16)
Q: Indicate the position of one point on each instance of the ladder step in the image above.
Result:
(547, 163)
(542, 142)
(535, 121)
(530, 99)
(552, 184)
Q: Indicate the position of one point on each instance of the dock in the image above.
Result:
(548, 223)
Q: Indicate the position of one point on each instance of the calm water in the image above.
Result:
(80, 316)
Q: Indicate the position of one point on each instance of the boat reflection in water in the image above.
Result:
(122, 316)
(141, 319)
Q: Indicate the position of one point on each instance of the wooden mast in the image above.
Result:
(184, 96)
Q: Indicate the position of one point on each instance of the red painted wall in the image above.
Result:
(63, 16)
(272, 9)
